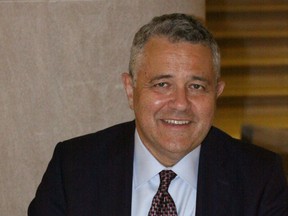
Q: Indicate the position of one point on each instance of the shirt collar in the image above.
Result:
(146, 166)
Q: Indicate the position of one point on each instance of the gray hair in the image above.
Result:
(176, 28)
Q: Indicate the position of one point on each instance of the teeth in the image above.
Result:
(176, 122)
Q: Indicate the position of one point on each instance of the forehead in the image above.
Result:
(161, 46)
(161, 54)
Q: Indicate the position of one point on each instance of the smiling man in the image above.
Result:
(173, 97)
(170, 160)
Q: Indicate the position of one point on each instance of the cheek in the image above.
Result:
(159, 102)
(150, 101)
(205, 107)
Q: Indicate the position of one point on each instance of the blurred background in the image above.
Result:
(253, 38)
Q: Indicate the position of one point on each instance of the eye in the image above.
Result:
(161, 85)
(197, 87)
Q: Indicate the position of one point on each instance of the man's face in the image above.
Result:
(173, 97)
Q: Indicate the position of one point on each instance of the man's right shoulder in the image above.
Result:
(119, 133)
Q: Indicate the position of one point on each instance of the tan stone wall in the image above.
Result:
(60, 66)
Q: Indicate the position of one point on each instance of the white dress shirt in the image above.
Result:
(146, 181)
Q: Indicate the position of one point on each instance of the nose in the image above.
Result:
(180, 100)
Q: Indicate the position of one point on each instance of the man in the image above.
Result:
(172, 87)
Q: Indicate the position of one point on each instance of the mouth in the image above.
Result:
(177, 122)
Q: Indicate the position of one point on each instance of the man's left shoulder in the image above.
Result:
(242, 152)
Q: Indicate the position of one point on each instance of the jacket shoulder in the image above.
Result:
(112, 140)
(109, 134)
(238, 147)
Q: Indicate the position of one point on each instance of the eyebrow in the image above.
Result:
(159, 77)
(199, 78)
(168, 76)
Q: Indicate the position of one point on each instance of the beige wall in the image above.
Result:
(60, 66)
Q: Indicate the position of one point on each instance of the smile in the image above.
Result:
(177, 122)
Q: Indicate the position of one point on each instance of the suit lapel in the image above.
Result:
(214, 186)
(117, 176)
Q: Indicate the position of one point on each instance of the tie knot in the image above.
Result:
(166, 176)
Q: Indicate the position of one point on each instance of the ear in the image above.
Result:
(128, 86)
(220, 87)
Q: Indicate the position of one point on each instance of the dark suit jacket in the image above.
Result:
(92, 176)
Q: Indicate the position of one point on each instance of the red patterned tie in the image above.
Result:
(162, 203)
